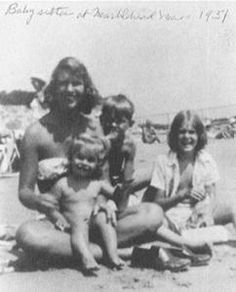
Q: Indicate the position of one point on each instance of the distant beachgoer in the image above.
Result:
(38, 105)
(149, 134)
(227, 132)
(184, 180)
(8, 151)
(77, 195)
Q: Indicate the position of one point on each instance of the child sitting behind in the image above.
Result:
(78, 195)
(116, 120)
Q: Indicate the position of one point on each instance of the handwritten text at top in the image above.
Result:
(123, 13)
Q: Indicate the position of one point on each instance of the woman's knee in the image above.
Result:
(31, 238)
(152, 215)
(224, 212)
(24, 234)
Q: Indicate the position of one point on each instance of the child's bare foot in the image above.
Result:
(90, 272)
(90, 266)
(117, 263)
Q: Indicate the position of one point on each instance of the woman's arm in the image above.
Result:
(28, 169)
(157, 196)
(28, 173)
(54, 215)
(129, 150)
(119, 194)
(106, 190)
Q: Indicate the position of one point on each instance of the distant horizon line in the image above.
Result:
(201, 111)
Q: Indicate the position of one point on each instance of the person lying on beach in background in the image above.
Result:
(78, 194)
(149, 133)
(184, 180)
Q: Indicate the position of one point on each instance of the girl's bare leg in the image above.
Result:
(138, 222)
(109, 240)
(80, 246)
(142, 179)
(41, 237)
(176, 239)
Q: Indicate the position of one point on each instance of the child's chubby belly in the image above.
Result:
(78, 206)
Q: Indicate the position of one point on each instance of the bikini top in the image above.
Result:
(50, 170)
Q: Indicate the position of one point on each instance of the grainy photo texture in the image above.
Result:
(117, 146)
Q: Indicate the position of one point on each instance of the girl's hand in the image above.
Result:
(116, 137)
(197, 195)
(46, 202)
(112, 136)
(110, 213)
(62, 224)
(183, 193)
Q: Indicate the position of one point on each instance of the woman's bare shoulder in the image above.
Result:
(35, 128)
(32, 133)
(36, 131)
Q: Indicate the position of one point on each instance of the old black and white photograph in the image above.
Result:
(117, 146)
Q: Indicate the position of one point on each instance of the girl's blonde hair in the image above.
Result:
(92, 147)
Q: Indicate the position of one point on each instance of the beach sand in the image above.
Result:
(219, 275)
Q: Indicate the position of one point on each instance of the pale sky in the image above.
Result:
(162, 65)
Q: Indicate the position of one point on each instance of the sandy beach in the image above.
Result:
(219, 275)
